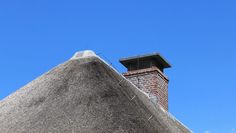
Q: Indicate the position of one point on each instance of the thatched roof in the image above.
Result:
(83, 95)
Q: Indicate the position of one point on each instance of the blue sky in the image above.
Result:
(197, 37)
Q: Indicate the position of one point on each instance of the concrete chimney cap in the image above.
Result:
(156, 56)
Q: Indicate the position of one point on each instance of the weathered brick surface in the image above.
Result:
(151, 81)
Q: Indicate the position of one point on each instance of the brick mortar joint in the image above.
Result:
(147, 70)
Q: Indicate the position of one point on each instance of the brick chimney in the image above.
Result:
(146, 72)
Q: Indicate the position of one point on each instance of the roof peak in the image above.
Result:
(83, 54)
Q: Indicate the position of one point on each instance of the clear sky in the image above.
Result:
(197, 37)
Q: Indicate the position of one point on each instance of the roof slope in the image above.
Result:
(83, 95)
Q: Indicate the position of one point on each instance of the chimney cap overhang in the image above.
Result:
(155, 56)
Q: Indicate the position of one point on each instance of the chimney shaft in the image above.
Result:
(146, 72)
